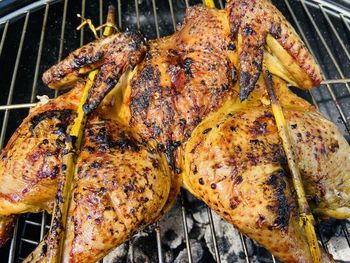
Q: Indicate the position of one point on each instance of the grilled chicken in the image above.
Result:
(6, 225)
(178, 101)
(234, 162)
(30, 162)
(257, 25)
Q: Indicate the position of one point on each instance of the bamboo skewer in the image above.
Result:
(57, 230)
(306, 218)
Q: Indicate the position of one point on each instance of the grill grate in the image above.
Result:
(30, 43)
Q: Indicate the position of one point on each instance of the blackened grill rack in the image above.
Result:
(41, 33)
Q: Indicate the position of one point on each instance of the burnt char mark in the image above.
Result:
(102, 87)
(43, 250)
(206, 130)
(278, 154)
(233, 75)
(7, 227)
(238, 179)
(170, 148)
(49, 173)
(248, 30)
(64, 117)
(245, 87)
(105, 140)
(276, 181)
(334, 146)
(150, 78)
(137, 39)
(231, 47)
(186, 65)
(275, 30)
(234, 202)
(82, 59)
(258, 128)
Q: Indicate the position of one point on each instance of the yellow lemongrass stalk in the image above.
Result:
(306, 218)
(56, 234)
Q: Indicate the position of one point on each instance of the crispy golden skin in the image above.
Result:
(30, 162)
(121, 186)
(186, 79)
(234, 161)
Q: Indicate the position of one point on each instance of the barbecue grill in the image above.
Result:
(35, 35)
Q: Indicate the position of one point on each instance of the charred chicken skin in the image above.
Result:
(169, 113)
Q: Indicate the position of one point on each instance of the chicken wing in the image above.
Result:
(259, 24)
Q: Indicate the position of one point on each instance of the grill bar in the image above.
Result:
(83, 8)
(335, 32)
(119, 14)
(159, 243)
(16, 106)
(24, 10)
(13, 243)
(345, 22)
(155, 18)
(331, 8)
(220, 4)
(172, 14)
(63, 28)
(3, 37)
(101, 16)
(244, 246)
(212, 230)
(137, 14)
(312, 20)
(346, 233)
(184, 222)
(319, 234)
(324, 8)
(38, 59)
(13, 81)
(301, 31)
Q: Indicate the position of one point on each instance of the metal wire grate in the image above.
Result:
(40, 34)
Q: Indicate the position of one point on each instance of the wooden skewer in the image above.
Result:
(306, 218)
(56, 234)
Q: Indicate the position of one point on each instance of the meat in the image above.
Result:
(30, 162)
(234, 161)
(258, 24)
(169, 113)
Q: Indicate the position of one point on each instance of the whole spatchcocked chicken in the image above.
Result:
(191, 110)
